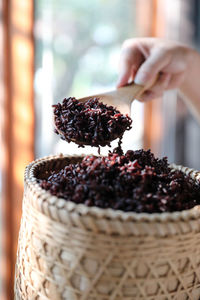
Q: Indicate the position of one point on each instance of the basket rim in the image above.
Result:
(107, 213)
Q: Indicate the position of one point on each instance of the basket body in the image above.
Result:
(73, 252)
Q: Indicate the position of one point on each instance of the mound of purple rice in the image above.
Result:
(136, 181)
(90, 123)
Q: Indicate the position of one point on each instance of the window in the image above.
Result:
(77, 52)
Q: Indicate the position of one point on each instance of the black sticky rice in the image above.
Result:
(91, 123)
(136, 181)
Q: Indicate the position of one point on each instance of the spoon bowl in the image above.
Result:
(80, 143)
(120, 98)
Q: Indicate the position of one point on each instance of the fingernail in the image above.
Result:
(141, 78)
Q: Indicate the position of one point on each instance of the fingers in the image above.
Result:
(165, 82)
(157, 90)
(161, 84)
(130, 60)
(176, 80)
(126, 72)
(155, 63)
(149, 95)
(143, 60)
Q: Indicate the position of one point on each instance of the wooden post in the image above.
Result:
(150, 21)
(17, 124)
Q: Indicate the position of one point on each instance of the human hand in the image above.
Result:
(143, 59)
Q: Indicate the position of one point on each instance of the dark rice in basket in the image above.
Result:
(136, 181)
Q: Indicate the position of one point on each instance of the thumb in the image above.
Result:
(126, 72)
(130, 60)
(151, 67)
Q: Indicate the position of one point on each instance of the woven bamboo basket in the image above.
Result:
(74, 252)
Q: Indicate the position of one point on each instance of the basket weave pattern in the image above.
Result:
(74, 252)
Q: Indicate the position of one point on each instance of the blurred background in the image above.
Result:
(54, 49)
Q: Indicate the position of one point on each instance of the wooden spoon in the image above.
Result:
(120, 98)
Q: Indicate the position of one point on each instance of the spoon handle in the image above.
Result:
(131, 91)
